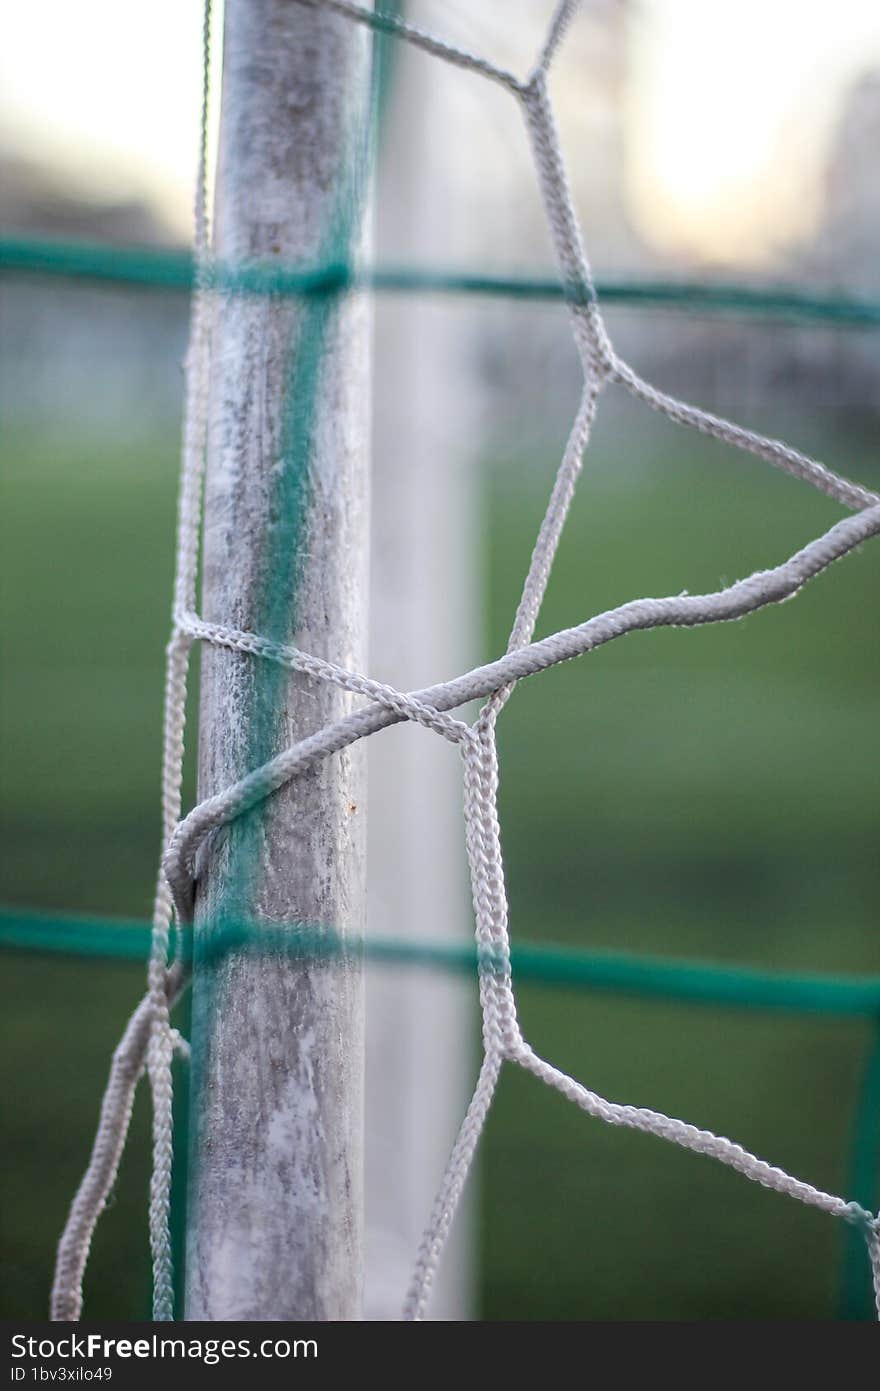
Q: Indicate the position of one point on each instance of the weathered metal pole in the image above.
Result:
(274, 1214)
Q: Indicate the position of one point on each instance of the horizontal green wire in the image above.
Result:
(22, 930)
(173, 270)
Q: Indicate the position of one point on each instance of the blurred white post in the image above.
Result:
(421, 1036)
(275, 1220)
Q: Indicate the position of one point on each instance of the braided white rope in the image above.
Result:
(419, 38)
(149, 1032)
(564, 14)
(162, 1044)
(682, 610)
(126, 1070)
(159, 1039)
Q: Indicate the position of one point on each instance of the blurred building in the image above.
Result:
(843, 257)
(770, 370)
(845, 251)
(76, 356)
(88, 357)
(525, 352)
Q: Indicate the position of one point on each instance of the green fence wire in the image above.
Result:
(694, 982)
(659, 978)
(168, 269)
(673, 981)
(688, 982)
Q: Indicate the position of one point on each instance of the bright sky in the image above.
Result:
(107, 90)
(733, 107)
(733, 102)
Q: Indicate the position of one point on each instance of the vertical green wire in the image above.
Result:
(276, 604)
(856, 1299)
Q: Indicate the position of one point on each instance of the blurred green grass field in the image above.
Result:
(698, 793)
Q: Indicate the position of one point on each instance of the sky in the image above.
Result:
(731, 107)
(735, 104)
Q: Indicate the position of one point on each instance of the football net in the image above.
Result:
(149, 1042)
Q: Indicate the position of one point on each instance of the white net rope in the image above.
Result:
(149, 1041)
